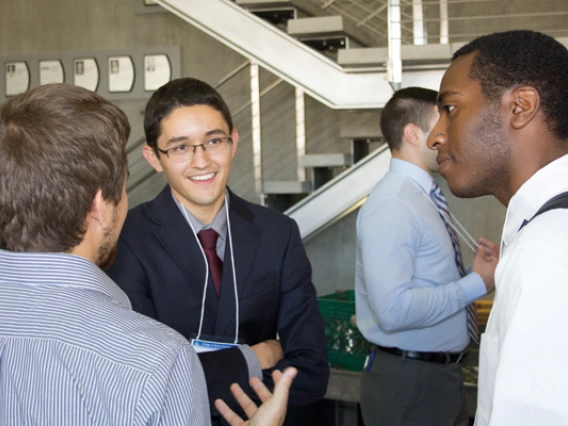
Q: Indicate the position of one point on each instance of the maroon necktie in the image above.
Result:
(208, 238)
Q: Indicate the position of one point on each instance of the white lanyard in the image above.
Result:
(461, 231)
(207, 272)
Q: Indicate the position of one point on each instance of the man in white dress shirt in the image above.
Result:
(503, 130)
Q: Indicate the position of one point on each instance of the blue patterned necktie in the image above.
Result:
(440, 202)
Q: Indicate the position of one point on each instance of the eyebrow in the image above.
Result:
(177, 139)
(443, 95)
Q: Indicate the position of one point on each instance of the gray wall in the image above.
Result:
(278, 129)
(332, 254)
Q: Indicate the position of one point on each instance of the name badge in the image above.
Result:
(208, 345)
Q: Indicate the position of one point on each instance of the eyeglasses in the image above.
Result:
(183, 153)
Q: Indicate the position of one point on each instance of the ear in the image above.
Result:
(98, 211)
(151, 157)
(235, 144)
(523, 105)
(412, 134)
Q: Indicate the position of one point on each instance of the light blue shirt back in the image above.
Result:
(409, 293)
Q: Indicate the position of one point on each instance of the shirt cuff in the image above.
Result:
(473, 287)
(252, 362)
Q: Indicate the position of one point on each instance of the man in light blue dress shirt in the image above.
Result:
(410, 298)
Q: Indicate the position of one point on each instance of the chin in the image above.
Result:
(210, 199)
(466, 190)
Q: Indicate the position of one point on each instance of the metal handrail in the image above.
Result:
(262, 93)
(232, 74)
(341, 195)
(372, 16)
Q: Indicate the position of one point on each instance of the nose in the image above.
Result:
(437, 137)
(200, 158)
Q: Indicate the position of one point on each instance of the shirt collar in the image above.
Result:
(219, 223)
(420, 176)
(536, 191)
(58, 269)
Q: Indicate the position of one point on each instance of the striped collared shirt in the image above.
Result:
(72, 352)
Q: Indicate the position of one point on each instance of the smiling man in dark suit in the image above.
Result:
(227, 274)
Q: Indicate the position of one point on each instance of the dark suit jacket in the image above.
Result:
(161, 268)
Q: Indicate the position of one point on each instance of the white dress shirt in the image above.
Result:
(523, 376)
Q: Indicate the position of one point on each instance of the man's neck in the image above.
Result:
(410, 159)
(527, 164)
(203, 213)
(87, 248)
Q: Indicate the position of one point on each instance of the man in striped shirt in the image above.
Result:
(72, 351)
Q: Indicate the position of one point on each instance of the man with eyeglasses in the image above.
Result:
(227, 274)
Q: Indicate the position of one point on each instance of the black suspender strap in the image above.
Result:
(558, 202)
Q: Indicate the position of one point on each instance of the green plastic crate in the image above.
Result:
(346, 347)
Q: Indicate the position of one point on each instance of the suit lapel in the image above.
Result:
(180, 243)
(245, 235)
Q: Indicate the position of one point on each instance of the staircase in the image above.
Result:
(282, 55)
(341, 195)
(337, 38)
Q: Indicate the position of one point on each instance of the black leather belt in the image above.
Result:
(437, 357)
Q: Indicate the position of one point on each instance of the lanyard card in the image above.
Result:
(208, 346)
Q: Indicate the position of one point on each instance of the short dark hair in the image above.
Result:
(59, 144)
(410, 105)
(517, 58)
(177, 93)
